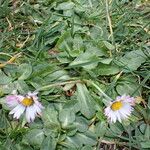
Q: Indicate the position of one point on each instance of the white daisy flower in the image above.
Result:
(120, 109)
(28, 104)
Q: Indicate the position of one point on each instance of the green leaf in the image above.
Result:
(49, 117)
(3, 121)
(21, 86)
(86, 102)
(127, 88)
(86, 138)
(145, 144)
(104, 69)
(43, 69)
(101, 128)
(4, 79)
(7, 88)
(109, 45)
(147, 132)
(78, 46)
(65, 6)
(57, 75)
(116, 129)
(66, 117)
(4, 9)
(106, 61)
(25, 70)
(96, 48)
(7, 145)
(22, 147)
(128, 85)
(37, 82)
(65, 42)
(34, 137)
(87, 148)
(82, 124)
(88, 60)
(48, 143)
(132, 60)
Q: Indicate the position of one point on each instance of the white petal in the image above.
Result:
(107, 110)
(18, 111)
(118, 116)
(39, 104)
(125, 112)
(118, 98)
(32, 94)
(30, 113)
(113, 118)
(37, 109)
(127, 108)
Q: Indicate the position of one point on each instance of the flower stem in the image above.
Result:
(58, 84)
(108, 99)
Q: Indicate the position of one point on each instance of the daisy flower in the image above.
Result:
(28, 104)
(120, 109)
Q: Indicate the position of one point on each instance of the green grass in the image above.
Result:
(78, 54)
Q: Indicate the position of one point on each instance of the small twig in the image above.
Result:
(109, 21)
(110, 25)
(11, 60)
(108, 99)
(113, 142)
(1, 53)
(58, 84)
(10, 27)
(20, 45)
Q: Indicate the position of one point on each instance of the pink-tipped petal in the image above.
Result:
(12, 101)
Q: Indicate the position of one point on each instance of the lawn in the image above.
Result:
(74, 75)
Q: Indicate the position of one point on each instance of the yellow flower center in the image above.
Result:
(116, 105)
(27, 101)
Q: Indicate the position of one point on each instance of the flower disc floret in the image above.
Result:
(116, 105)
(27, 101)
